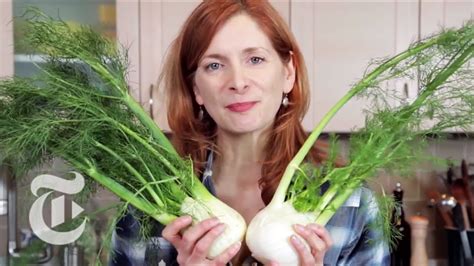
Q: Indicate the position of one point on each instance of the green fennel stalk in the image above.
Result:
(392, 139)
(394, 134)
(78, 108)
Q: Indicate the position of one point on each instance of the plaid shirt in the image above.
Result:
(356, 241)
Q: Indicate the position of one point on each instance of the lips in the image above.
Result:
(240, 107)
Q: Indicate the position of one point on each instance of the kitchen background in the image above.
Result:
(337, 38)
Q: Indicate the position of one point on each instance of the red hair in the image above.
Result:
(193, 137)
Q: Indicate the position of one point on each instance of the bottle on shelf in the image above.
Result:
(401, 252)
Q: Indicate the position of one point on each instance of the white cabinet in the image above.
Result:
(6, 39)
(160, 24)
(436, 15)
(447, 13)
(339, 38)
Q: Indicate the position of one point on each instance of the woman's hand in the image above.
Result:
(318, 240)
(193, 245)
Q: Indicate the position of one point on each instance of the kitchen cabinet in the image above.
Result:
(435, 15)
(447, 13)
(159, 23)
(6, 39)
(339, 38)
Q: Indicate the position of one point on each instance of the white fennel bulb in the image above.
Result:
(212, 207)
(268, 234)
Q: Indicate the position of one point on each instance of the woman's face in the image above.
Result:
(240, 79)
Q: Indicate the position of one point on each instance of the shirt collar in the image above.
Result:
(207, 174)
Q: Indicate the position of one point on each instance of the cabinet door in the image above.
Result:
(6, 37)
(128, 35)
(338, 40)
(160, 22)
(6, 69)
(435, 15)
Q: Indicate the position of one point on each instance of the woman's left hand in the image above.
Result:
(318, 240)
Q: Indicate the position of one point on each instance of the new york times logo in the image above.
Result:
(37, 223)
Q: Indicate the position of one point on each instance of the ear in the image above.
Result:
(197, 94)
(290, 75)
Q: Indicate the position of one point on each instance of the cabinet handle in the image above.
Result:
(151, 100)
(406, 93)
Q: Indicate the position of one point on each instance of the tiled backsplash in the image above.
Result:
(415, 200)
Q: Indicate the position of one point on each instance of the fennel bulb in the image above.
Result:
(212, 207)
(268, 234)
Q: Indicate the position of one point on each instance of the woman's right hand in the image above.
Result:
(194, 243)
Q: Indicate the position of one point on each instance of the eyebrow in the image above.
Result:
(245, 51)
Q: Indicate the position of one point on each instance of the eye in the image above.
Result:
(257, 60)
(213, 66)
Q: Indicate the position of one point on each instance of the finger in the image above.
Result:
(228, 254)
(273, 263)
(172, 231)
(322, 233)
(305, 256)
(201, 249)
(193, 234)
(317, 245)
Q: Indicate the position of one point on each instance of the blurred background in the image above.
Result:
(338, 38)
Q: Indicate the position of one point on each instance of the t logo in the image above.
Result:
(37, 223)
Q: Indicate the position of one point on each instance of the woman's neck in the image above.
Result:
(240, 157)
(236, 171)
(241, 149)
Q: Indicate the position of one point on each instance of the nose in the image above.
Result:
(238, 81)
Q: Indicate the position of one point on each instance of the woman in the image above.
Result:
(238, 89)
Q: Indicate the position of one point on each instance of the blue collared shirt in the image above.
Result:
(356, 240)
